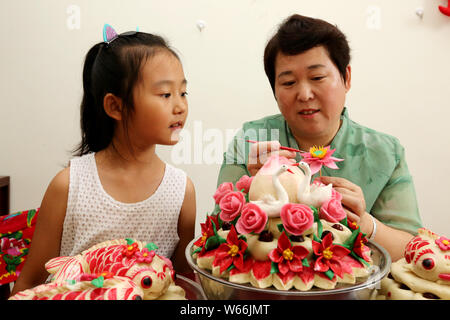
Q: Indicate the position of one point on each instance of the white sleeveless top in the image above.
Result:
(93, 216)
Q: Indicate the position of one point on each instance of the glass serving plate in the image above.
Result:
(221, 289)
(192, 289)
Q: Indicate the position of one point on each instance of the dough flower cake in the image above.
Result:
(279, 229)
(122, 269)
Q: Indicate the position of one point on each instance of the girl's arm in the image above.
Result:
(186, 229)
(46, 240)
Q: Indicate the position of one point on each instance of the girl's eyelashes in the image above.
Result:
(288, 83)
(318, 78)
(168, 95)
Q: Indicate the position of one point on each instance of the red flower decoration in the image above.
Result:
(231, 252)
(130, 250)
(207, 230)
(145, 256)
(359, 246)
(443, 243)
(352, 224)
(328, 255)
(288, 257)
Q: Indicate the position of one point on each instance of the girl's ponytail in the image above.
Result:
(96, 127)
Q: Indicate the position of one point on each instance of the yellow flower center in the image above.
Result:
(233, 250)
(327, 253)
(288, 254)
(145, 254)
(130, 248)
(446, 242)
(362, 244)
(204, 236)
(318, 152)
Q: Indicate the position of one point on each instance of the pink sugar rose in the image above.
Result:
(252, 219)
(244, 183)
(222, 190)
(296, 218)
(231, 205)
(335, 195)
(332, 211)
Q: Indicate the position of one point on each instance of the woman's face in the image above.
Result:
(311, 94)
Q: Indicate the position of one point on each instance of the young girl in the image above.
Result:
(134, 98)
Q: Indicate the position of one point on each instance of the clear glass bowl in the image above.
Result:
(220, 289)
(192, 289)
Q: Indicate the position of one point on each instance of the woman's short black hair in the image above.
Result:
(112, 68)
(297, 34)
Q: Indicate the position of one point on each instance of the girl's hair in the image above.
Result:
(298, 34)
(112, 68)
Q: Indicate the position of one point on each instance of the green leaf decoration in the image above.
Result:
(71, 281)
(196, 251)
(317, 239)
(231, 267)
(280, 227)
(344, 222)
(319, 229)
(214, 227)
(274, 268)
(214, 241)
(129, 241)
(305, 262)
(349, 243)
(354, 255)
(151, 246)
(220, 221)
(330, 274)
(315, 213)
(242, 237)
(98, 282)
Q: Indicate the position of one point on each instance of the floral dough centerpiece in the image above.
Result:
(279, 229)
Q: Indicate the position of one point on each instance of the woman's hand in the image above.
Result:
(352, 200)
(261, 151)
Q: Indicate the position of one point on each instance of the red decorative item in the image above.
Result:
(329, 255)
(445, 10)
(231, 252)
(288, 257)
(130, 250)
(16, 232)
(207, 230)
(359, 247)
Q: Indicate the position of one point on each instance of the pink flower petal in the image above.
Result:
(315, 167)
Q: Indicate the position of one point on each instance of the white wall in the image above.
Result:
(400, 80)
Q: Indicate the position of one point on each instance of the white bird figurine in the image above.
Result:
(268, 203)
(312, 194)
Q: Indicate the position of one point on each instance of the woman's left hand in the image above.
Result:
(352, 197)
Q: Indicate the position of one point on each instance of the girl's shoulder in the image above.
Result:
(60, 183)
(56, 194)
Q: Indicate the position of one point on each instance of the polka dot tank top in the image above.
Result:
(93, 216)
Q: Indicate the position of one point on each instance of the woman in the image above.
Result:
(307, 64)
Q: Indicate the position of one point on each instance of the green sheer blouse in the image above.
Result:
(373, 160)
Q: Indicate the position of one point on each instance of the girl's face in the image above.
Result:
(310, 93)
(160, 104)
